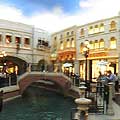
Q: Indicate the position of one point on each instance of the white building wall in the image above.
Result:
(30, 53)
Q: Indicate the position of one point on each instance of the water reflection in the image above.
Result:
(38, 104)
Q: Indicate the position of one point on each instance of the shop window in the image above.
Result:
(82, 32)
(102, 27)
(8, 39)
(96, 29)
(68, 43)
(61, 45)
(113, 25)
(101, 43)
(90, 30)
(26, 41)
(91, 45)
(72, 42)
(96, 44)
(113, 43)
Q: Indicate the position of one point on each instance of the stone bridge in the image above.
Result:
(58, 80)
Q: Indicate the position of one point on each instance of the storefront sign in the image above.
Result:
(101, 54)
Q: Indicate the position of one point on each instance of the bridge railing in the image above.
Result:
(45, 74)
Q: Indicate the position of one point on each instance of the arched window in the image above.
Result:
(82, 32)
(101, 43)
(61, 45)
(81, 47)
(91, 45)
(101, 27)
(113, 25)
(91, 30)
(72, 42)
(113, 43)
(96, 29)
(96, 44)
(68, 43)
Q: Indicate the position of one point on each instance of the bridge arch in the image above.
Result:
(58, 79)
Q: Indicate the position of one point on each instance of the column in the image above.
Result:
(119, 64)
(110, 107)
(3, 39)
(77, 66)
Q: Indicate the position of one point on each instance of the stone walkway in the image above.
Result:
(116, 109)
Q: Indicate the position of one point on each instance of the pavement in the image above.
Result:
(9, 88)
(116, 110)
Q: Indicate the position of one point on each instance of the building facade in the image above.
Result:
(20, 47)
(63, 49)
(104, 47)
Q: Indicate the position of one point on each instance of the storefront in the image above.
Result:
(94, 66)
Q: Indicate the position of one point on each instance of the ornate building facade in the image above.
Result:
(104, 47)
(103, 37)
(22, 47)
(63, 48)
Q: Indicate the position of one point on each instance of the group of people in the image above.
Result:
(110, 77)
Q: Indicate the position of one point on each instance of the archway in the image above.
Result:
(42, 65)
(13, 64)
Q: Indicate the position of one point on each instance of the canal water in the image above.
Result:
(38, 104)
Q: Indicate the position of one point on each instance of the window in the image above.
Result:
(39, 42)
(8, 39)
(91, 45)
(55, 38)
(101, 43)
(61, 45)
(82, 32)
(17, 40)
(101, 27)
(81, 47)
(113, 43)
(96, 29)
(72, 32)
(27, 41)
(113, 25)
(67, 33)
(72, 42)
(96, 44)
(61, 36)
(90, 30)
(68, 43)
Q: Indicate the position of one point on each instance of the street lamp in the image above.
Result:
(86, 53)
(3, 55)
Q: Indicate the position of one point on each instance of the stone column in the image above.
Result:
(119, 64)
(82, 108)
(3, 38)
(82, 102)
(110, 103)
(77, 67)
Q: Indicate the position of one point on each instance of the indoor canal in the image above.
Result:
(38, 104)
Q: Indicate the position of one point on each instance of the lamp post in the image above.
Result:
(3, 55)
(86, 53)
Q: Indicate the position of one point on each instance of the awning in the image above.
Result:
(67, 65)
(102, 63)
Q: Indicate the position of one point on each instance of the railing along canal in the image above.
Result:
(99, 94)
